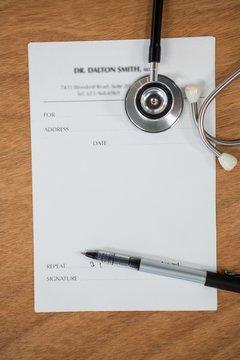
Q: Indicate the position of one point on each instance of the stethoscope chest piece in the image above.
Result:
(154, 106)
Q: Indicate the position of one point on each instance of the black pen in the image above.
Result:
(227, 280)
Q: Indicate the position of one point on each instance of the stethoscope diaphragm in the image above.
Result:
(154, 106)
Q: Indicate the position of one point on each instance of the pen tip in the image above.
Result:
(83, 253)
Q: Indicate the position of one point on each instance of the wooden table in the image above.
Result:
(109, 335)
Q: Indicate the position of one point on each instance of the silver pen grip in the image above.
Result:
(112, 258)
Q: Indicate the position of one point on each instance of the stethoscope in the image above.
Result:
(154, 103)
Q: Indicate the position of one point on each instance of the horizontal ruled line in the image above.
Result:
(94, 100)
(70, 101)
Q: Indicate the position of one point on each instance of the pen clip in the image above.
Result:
(231, 273)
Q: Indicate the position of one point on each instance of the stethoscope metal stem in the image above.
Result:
(153, 71)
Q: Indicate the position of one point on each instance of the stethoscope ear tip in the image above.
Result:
(193, 93)
(227, 161)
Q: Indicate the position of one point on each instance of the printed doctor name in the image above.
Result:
(106, 69)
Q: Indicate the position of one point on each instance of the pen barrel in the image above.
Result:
(172, 270)
(223, 281)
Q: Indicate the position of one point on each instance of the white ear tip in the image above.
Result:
(193, 93)
(227, 161)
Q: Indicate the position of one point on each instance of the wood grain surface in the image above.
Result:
(107, 335)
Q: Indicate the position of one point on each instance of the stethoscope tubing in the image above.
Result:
(199, 117)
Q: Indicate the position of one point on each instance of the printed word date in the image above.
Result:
(99, 142)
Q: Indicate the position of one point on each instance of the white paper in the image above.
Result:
(99, 182)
